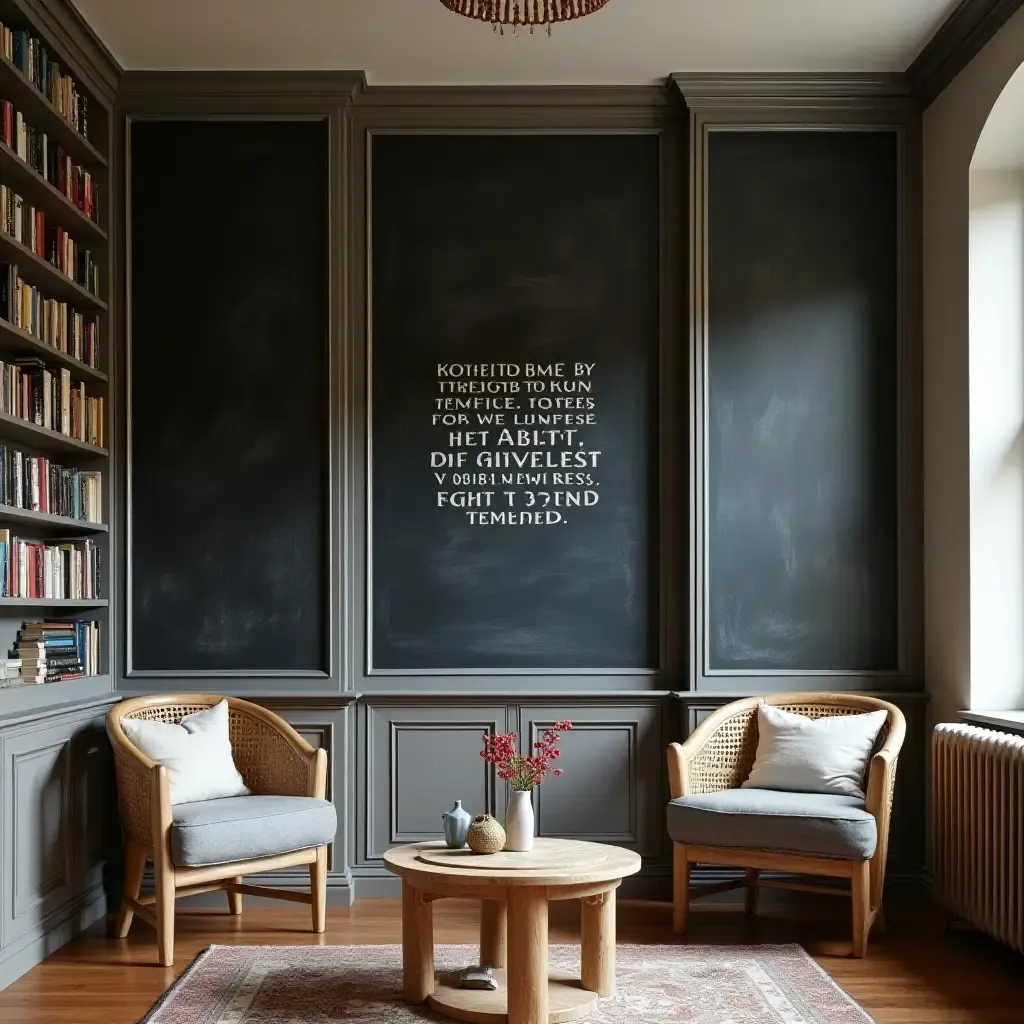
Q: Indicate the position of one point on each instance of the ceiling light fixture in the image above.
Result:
(525, 13)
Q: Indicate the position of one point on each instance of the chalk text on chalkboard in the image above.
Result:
(515, 406)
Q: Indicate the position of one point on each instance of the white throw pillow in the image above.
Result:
(196, 754)
(813, 755)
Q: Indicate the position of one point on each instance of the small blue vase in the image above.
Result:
(456, 825)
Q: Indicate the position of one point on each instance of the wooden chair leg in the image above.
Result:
(753, 890)
(134, 868)
(878, 925)
(860, 892)
(680, 888)
(235, 898)
(318, 889)
(164, 909)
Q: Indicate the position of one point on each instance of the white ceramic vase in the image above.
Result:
(519, 821)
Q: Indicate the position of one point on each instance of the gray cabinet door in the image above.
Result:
(413, 762)
(613, 789)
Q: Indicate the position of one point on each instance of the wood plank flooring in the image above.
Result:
(917, 973)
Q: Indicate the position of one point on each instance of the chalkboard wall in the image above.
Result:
(514, 277)
(802, 432)
(229, 554)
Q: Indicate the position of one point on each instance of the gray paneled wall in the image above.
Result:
(404, 744)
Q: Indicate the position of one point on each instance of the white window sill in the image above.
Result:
(1013, 721)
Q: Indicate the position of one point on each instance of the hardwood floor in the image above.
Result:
(917, 973)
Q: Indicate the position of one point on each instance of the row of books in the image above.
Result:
(48, 158)
(31, 57)
(56, 571)
(35, 483)
(25, 224)
(56, 651)
(50, 399)
(55, 323)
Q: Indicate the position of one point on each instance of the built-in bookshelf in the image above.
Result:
(55, 417)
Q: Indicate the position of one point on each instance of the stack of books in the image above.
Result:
(56, 651)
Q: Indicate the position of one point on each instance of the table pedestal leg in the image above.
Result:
(527, 976)
(417, 945)
(598, 946)
(493, 918)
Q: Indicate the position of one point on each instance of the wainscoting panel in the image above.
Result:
(413, 762)
(612, 790)
(56, 799)
(39, 792)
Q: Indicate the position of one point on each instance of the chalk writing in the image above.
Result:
(510, 444)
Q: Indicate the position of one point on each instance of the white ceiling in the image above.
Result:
(418, 42)
(1001, 145)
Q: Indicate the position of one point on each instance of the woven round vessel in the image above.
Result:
(485, 835)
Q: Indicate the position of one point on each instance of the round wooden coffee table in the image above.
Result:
(514, 890)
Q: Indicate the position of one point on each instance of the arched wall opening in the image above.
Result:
(951, 128)
(996, 405)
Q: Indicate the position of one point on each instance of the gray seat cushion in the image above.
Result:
(238, 828)
(816, 824)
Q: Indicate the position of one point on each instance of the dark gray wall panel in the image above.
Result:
(802, 369)
(612, 790)
(805, 383)
(415, 761)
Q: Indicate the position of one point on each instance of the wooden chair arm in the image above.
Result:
(882, 770)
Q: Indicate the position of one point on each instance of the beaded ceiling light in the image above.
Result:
(525, 13)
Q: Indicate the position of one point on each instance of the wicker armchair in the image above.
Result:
(719, 756)
(273, 760)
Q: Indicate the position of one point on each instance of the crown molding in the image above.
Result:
(956, 44)
(191, 86)
(787, 90)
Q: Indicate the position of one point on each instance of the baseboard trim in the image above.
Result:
(31, 950)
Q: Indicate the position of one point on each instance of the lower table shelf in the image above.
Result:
(567, 1000)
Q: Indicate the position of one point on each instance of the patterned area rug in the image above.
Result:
(354, 984)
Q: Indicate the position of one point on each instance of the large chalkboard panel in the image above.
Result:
(514, 252)
(229, 553)
(802, 382)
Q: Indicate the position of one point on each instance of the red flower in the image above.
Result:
(522, 772)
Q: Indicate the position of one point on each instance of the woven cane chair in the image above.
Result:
(719, 756)
(273, 760)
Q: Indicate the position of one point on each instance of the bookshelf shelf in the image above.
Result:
(42, 114)
(46, 277)
(44, 602)
(27, 182)
(29, 696)
(16, 341)
(23, 432)
(43, 520)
